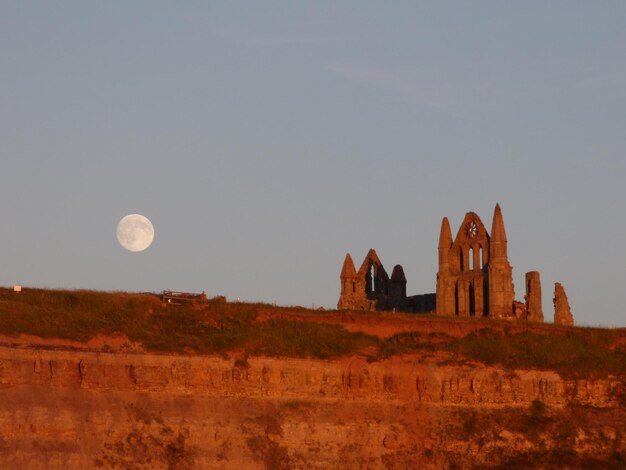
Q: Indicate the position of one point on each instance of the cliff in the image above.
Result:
(84, 409)
(97, 380)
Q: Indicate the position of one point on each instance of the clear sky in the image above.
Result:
(265, 140)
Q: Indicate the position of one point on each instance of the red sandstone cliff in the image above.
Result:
(86, 409)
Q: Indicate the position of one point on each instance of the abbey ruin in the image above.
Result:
(475, 279)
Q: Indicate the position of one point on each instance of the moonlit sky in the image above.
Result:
(265, 140)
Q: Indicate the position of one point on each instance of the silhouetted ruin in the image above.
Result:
(371, 288)
(475, 279)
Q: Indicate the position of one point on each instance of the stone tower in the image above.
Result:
(562, 312)
(445, 281)
(475, 277)
(533, 297)
(397, 284)
(348, 281)
(500, 273)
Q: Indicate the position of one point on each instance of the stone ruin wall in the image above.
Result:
(474, 279)
(562, 311)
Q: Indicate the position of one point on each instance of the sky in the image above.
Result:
(265, 140)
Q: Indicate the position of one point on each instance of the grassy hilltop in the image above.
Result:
(219, 327)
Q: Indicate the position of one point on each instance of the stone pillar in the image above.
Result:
(463, 298)
(445, 282)
(479, 295)
(348, 284)
(562, 312)
(500, 272)
(533, 297)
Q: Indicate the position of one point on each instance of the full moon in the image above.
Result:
(135, 232)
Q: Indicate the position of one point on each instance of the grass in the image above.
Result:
(572, 353)
(214, 327)
(219, 327)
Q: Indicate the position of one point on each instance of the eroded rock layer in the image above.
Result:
(81, 409)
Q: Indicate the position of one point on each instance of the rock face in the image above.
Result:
(81, 409)
(562, 311)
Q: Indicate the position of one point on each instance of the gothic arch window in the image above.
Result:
(471, 259)
(461, 259)
(372, 279)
